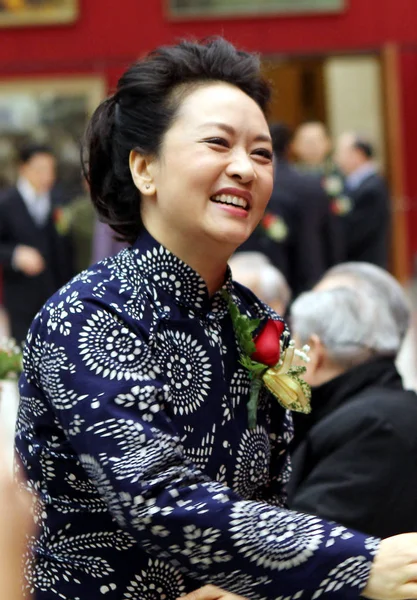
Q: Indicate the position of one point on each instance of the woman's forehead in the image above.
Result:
(223, 105)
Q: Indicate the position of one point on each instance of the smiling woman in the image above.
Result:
(225, 157)
(133, 424)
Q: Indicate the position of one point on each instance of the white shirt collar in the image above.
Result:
(26, 190)
(355, 179)
(38, 205)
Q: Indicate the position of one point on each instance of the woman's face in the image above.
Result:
(213, 178)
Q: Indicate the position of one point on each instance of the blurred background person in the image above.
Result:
(255, 271)
(311, 147)
(355, 455)
(312, 150)
(92, 240)
(298, 232)
(366, 222)
(35, 248)
(104, 242)
(82, 218)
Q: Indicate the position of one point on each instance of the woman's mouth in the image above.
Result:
(229, 199)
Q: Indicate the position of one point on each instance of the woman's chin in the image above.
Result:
(234, 236)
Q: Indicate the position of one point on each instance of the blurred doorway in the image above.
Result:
(344, 92)
(358, 92)
(299, 89)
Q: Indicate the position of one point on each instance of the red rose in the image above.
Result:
(267, 343)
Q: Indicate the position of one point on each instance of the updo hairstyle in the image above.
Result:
(142, 109)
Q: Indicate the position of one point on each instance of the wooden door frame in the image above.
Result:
(394, 142)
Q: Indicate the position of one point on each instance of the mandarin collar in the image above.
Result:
(165, 272)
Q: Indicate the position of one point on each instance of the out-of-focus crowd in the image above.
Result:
(327, 207)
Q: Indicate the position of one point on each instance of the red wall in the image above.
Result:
(107, 38)
(109, 35)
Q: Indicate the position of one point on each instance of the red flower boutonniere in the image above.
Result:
(333, 184)
(270, 363)
(341, 206)
(274, 227)
(61, 220)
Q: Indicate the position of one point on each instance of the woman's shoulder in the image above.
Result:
(109, 294)
(111, 278)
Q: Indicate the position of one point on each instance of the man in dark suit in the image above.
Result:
(34, 246)
(366, 217)
(354, 457)
(298, 232)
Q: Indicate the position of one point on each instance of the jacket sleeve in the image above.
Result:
(333, 236)
(7, 246)
(366, 217)
(308, 259)
(115, 410)
(348, 477)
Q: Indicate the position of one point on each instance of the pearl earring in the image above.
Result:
(147, 186)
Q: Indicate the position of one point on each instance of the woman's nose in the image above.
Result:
(241, 168)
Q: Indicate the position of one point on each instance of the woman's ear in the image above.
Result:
(142, 178)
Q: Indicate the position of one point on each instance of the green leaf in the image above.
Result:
(256, 369)
(244, 327)
(253, 324)
(253, 402)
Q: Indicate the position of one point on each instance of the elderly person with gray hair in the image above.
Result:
(355, 457)
(255, 271)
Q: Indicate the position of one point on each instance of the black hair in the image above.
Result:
(364, 146)
(29, 150)
(281, 135)
(142, 109)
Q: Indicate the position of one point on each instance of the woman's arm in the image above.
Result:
(15, 524)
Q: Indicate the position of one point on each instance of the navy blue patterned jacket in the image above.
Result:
(133, 434)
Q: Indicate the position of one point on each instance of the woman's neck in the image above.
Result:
(209, 260)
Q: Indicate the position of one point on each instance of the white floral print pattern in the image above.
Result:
(133, 421)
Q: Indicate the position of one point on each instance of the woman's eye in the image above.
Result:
(264, 153)
(218, 142)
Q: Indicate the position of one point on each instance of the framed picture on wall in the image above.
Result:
(236, 8)
(51, 111)
(37, 12)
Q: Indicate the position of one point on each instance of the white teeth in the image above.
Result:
(227, 199)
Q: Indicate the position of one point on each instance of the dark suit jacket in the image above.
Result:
(367, 224)
(356, 462)
(23, 296)
(277, 250)
(313, 243)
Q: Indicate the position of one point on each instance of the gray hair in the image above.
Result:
(385, 286)
(351, 322)
(271, 282)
